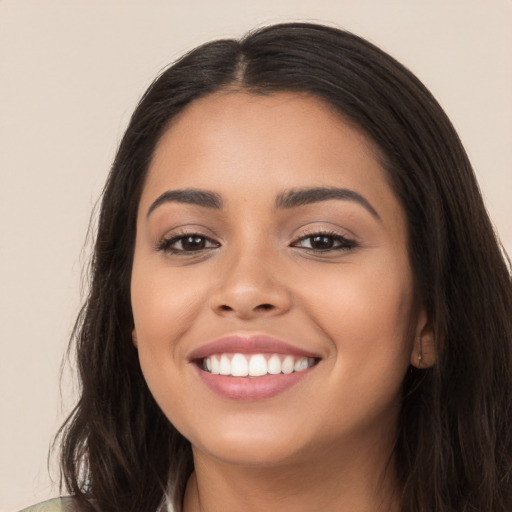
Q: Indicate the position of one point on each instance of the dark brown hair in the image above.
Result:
(454, 444)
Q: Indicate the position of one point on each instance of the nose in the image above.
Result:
(250, 287)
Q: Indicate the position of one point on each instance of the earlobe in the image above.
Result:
(423, 353)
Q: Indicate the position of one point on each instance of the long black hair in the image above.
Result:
(454, 444)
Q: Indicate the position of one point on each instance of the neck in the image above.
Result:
(356, 479)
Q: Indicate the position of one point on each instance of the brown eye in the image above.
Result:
(193, 243)
(323, 242)
(187, 244)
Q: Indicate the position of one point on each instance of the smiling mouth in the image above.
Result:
(252, 367)
(255, 365)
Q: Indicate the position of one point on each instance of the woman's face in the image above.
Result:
(269, 241)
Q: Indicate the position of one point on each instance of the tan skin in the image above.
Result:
(332, 277)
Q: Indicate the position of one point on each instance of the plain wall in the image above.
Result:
(70, 76)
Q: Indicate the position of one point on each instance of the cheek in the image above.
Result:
(364, 302)
(164, 301)
(165, 304)
(367, 313)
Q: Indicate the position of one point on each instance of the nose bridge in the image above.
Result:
(249, 283)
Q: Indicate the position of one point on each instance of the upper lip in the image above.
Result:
(253, 344)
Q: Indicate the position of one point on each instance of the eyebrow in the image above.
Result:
(285, 200)
(204, 198)
(303, 196)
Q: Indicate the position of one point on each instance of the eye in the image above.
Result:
(187, 243)
(325, 242)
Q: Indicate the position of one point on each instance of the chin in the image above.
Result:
(255, 444)
(253, 454)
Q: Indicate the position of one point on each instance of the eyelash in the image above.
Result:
(344, 243)
(165, 245)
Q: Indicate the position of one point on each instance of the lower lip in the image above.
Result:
(251, 388)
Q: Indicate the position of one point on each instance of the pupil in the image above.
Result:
(322, 242)
(193, 243)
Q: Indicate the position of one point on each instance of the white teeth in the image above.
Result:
(239, 366)
(274, 365)
(300, 365)
(215, 364)
(287, 365)
(256, 365)
(225, 365)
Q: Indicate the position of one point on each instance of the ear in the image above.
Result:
(134, 338)
(423, 353)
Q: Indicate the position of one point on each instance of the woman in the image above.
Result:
(297, 298)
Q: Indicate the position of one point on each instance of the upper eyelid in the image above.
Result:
(334, 232)
(320, 233)
(183, 231)
(340, 237)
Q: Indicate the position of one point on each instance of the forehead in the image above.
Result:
(247, 131)
(246, 112)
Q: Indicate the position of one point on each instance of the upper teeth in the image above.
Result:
(255, 365)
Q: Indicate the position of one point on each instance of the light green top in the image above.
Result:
(55, 505)
(59, 505)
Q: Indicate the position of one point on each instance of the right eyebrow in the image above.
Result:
(198, 197)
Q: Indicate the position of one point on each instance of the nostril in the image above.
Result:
(245, 309)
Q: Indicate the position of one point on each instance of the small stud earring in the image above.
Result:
(420, 353)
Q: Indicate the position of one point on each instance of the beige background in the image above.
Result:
(70, 75)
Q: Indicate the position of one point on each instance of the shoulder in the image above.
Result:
(55, 505)
(66, 504)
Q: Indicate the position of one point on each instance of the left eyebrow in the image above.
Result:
(303, 196)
